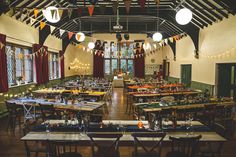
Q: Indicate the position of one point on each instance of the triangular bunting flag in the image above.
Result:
(53, 13)
(36, 11)
(114, 7)
(166, 41)
(11, 12)
(78, 36)
(80, 46)
(70, 12)
(61, 32)
(80, 11)
(52, 28)
(1, 45)
(22, 17)
(60, 11)
(42, 25)
(32, 21)
(157, 2)
(90, 10)
(127, 5)
(70, 34)
(171, 39)
(142, 3)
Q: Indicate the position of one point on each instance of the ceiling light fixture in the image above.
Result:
(183, 16)
(157, 36)
(51, 14)
(80, 37)
(91, 45)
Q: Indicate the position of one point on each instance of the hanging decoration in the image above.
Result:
(70, 11)
(80, 11)
(70, 34)
(52, 28)
(61, 31)
(157, 2)
(32, 21)
(127, 5)
(42, 25)
(90, 10)
(114, 7)
(36, 11)
(142, 3)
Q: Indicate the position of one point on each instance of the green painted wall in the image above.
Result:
(172, 79)
(195, 85)
(202, 86)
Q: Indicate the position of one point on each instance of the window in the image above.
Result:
(19, 64)
(53, 65)
(123, 63)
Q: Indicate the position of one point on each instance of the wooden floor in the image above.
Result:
(11, 146)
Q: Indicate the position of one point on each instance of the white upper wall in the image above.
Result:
(22, 34)
(217, 44)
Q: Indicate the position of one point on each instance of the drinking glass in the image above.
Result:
(189, 124)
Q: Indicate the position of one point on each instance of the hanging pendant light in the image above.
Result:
(80, 37)
(183, 16)
(91, 45)
(52, 14)
(157, 36)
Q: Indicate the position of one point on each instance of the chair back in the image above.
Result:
(11, 108)
(65, 149)
(219, 129)
(146, 141)
(186, 145)
(106, 144)
(47, 109)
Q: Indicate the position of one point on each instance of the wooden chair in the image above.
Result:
(214, 149)
(14, 114)
(150, 149)
(105, 144)
(184, 146)
(48, 112)
(32, 146)
(64, 149)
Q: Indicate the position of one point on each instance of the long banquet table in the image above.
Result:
(125, 140)
(29, 105)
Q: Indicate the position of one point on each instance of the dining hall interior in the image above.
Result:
(117, 78)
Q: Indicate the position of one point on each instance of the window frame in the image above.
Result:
(13, 60)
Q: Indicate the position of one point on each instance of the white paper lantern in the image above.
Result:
(51, 14)
(91, 45)
(80, 37)
(183, 16)
(157, 36)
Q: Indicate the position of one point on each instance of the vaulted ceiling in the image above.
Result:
(148, 20)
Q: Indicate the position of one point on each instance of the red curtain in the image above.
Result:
(62, 65)
(41, 63)
(139, 64)
(98, 65)
(3, 65)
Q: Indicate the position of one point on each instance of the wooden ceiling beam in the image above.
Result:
(209, 10)
(224, 6)
(216, 8)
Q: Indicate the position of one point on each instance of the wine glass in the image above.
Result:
(189, 123)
